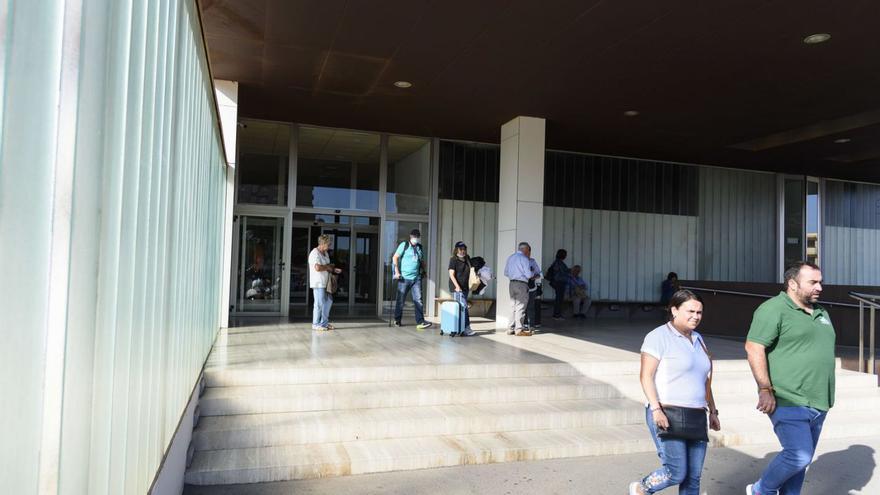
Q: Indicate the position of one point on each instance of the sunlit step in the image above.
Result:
(289, 462)
(257, 430)
(294, 398)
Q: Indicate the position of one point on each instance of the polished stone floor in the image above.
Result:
(269, 343)
(284, 402)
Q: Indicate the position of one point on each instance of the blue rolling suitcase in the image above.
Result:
(451, 319)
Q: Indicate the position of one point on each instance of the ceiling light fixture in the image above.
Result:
(631, 113)
(403, 84)
(815, 39)
(842, 140)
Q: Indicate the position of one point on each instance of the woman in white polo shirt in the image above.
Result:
(676, 378)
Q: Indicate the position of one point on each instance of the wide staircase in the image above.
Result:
(298, 422)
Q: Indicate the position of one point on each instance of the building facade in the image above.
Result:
(628, 222)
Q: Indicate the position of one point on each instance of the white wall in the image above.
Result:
(850, 241)
(737, 226)
(475, 223)
(624, 255)
(112, 189)
(850, 256)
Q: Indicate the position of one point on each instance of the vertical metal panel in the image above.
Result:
(144, 212)
(850, 239)
(475, 223)
(737, 240)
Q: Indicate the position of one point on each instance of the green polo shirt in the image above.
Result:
(800, 352)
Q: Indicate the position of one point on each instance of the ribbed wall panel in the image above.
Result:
(850, 241)
(737, 226)
(475, 223)
(624, 255)
(112, 189)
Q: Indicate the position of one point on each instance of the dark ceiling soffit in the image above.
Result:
(813, 131)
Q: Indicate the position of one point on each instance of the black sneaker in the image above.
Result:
(396, 323)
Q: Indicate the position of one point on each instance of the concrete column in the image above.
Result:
(521, 200)
(227, 102)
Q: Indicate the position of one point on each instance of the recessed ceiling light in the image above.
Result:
(842, 140)
(403, 84)
(817, 38)
(631, 113)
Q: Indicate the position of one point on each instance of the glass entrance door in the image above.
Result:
(260, 265)
(353, 247)
(800, 231)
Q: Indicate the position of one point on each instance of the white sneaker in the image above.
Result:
(468, 332)
(635, 488)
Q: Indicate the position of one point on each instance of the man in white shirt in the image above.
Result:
(319, 276)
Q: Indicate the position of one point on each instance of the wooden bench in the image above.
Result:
(632, 307)
(476, 307)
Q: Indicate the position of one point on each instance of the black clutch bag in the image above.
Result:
(685, 423)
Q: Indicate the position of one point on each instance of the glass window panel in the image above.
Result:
(367, 191)
(794, 220)
(329, 160)
(394, 233)
(259, 264)
(813, 222)
(409, 170)
(263, 163)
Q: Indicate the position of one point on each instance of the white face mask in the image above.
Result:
(414, 240)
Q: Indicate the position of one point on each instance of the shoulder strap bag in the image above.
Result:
(688, 423)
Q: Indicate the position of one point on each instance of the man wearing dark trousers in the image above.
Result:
(790, 347)
(409, 265)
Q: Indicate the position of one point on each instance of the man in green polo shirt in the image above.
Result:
(790, 348)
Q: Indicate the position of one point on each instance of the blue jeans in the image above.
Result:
(403, 287)
(682, 462)
(798, 429)
(321, 310)
(461, 299)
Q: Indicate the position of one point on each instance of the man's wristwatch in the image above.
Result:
(768, 388)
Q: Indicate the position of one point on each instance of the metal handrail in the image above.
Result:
(871, 301)
(765, 296)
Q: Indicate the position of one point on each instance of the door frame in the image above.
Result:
(353, 229)
(780, 218)
(266, 212)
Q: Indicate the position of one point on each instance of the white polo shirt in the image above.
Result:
(318, 280)
(683, 369)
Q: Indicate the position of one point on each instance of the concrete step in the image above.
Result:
(846, 400)
(294, 398)
(252, 430)
(394, 373)
(262, 399)
(289, 462)
(303, 461)
(258, 430)
(758, 429)
(391, 373)
(290, 428)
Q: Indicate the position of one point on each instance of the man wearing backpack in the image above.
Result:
(408, 261)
